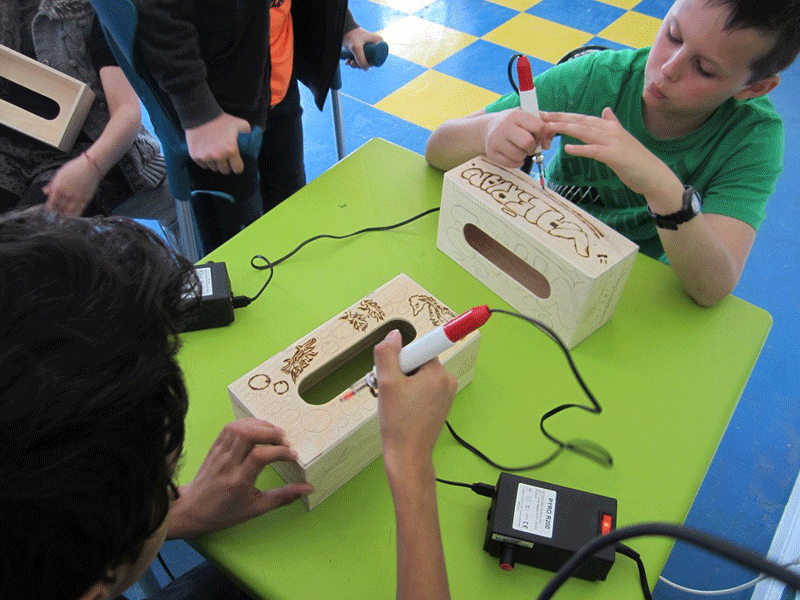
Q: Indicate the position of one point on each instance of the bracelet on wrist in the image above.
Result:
(93, 163)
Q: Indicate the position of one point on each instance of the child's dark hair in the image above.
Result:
(778, 18)
(92, 400)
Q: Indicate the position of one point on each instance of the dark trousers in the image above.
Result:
(281, 171)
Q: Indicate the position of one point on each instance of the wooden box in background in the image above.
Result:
(74, 99)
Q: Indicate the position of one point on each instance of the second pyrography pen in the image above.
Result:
(428, 347)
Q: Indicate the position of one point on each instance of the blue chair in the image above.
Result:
(206, 217)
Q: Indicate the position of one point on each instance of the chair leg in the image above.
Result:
(188, 240)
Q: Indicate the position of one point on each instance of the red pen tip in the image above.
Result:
(524, 74)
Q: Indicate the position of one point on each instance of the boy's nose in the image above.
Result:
(671, 67)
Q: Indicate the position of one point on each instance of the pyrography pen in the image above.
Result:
(530, 104)
(428, 347)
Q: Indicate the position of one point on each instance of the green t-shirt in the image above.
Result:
(733, 160)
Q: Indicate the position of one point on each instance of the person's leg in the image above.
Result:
(281, 163)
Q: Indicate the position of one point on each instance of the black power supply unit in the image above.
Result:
(216, 298)
(543, 525)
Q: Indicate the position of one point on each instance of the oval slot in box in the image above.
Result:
(338, 374)
(508, 262)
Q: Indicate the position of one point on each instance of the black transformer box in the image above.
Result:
(543, 525)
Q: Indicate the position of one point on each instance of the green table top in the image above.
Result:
(667, 373)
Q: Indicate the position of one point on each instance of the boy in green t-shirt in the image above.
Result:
(648, 134)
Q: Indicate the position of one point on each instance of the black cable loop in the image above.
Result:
(268, 264)
(585, 448)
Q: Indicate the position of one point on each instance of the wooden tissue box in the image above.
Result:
(546, 257)
(335, 438)
(74, 99)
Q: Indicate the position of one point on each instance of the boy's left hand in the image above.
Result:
(605, 139)
(223, 493)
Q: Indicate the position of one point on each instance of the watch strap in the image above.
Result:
(686, 213)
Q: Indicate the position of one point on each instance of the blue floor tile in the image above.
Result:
(365, 122)
(374, 17)
(378, 82)
(654, 8)
(586, 15)
(476, 17)
(485, 64)
(362, 122)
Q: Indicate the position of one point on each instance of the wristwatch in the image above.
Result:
(690, 209)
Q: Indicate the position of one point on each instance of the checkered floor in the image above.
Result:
(449, 58)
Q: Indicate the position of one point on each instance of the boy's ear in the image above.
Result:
(759, 88)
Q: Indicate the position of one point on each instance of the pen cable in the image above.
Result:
(511, 61)
(585, 448)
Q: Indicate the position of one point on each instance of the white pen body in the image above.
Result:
(421, 350)
(417, 353)
(530, 104)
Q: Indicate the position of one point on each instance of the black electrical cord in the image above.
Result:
(631, 553)
(482, 489)
(260, 262)
(585, 448)
(510, 71)
(739, 554)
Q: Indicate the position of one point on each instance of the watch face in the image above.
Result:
(695, 203)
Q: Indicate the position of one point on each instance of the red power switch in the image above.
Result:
(605, 524)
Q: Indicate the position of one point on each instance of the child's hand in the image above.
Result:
(354, 41)
(411, 409)
(72, 188)
(606, 140)
(224, 492)
(215, 145)
(512, 135)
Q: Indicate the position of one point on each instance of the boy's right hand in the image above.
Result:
(411, 409)
(512, 135)
(215, 145)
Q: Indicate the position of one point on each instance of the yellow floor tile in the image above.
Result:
(520, 5)
(423, 42)
(626, 4)
(407, 6)
(433, 97)
(632, 29)
(537, 37)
